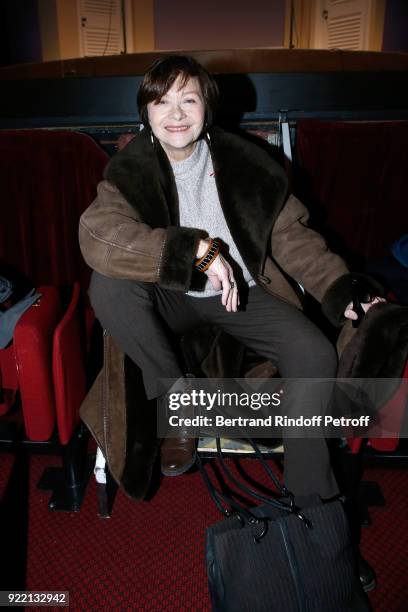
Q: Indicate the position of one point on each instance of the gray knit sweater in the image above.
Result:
(200, 207)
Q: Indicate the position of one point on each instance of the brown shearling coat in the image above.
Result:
(132, 231)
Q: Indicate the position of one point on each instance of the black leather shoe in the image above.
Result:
(177, 455)
(367, 575)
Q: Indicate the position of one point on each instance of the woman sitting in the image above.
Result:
(195, 225)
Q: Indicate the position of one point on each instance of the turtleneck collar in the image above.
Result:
(184, 168)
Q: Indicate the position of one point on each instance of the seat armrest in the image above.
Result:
(68, 364)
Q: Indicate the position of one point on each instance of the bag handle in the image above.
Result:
(242, 512)
(291, 507)
(251, 492)
(243, 515)
(238, 509)
(283, 490)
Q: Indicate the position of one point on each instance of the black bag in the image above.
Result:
(281, 556)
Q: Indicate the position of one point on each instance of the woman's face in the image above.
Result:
(177, 119)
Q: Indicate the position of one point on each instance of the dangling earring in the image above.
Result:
(151, 137)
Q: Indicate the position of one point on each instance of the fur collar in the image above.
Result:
(252, 188)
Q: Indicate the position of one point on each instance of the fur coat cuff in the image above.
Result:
(339, 295)
(176, 268)
(379, 348)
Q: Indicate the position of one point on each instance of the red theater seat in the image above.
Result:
(48, 178)
(46, 363)
(32, 345)
(356, 190)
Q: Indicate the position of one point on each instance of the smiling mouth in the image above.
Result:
(177, 128)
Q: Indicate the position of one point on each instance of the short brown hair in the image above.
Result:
(162, 75)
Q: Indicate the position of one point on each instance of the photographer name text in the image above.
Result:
(268, 421)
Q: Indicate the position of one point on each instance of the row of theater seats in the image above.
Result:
(50, 177)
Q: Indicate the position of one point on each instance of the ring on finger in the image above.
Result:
(232, 285)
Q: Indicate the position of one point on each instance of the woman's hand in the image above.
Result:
(350, 314)
(222, 277)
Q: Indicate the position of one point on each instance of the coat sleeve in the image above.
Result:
(303, 254)
(115, 243)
